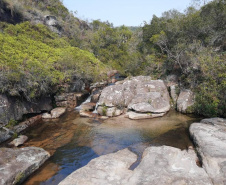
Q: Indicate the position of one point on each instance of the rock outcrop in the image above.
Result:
(12, 108)
(53, 24)
(210, 138)
(160, 165)
(18, 164)
(185, 101)
(96, 90)
(139, 94)
(69, 100)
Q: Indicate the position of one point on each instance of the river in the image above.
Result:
(73, 141)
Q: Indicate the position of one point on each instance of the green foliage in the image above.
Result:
(33, 60)
(19, 177)
(104, 110)
(191, 45)
(11, 123)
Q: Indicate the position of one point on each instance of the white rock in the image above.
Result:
(57, 112)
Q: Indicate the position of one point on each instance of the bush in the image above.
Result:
(33, 60)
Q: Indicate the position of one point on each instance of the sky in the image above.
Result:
(123, 12)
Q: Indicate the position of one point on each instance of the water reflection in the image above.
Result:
(74, 141)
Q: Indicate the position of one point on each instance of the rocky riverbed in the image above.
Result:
(131, 152)
(163, 165)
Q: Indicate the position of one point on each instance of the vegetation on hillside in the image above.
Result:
(33, 61)
(193, 46)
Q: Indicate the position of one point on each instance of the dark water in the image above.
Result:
(73, 141)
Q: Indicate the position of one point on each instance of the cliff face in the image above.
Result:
(12, 108)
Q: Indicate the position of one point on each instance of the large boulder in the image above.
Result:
(18, 164)
(139, 94)
(159, 165)
(210, 138)
(185, 101)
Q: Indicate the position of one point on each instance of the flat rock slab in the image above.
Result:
(210, 139)
(160, 165)
(17, 164)
(107, 169)
(135, 116)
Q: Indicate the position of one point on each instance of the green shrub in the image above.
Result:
(33, 60)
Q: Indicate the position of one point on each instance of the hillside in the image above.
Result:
(190, 45)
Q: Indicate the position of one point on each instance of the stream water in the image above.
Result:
(73, 141)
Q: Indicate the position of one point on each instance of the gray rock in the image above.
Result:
(160, 165)
(12, 108)
(19, 141)
(53, 24)
(4, 135)
(210, 139)
(17, 164)
(168, 165)
(95, 97)
(135, 116)
(184, 101)
(140, 94)
(107, 169)
(88, 106)
(171, 80)
(173, 92)
(215, 121)
(57, 112)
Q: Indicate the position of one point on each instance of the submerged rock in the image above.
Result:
(160, 165)
(19, 141)
(210, 138)
(57, 112)
(18, 164)
(185, 101)
(140, 94)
